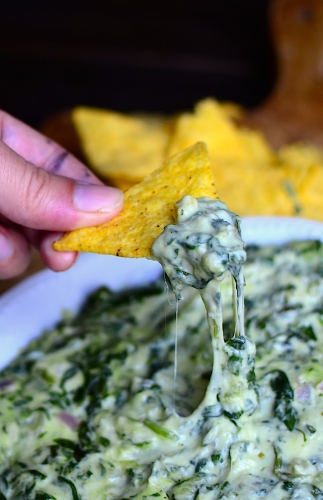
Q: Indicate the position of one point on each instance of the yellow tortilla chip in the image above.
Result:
(257, 146)
(305, 188)
(310, 194)
(120, 183)
(232, 110)
(253, 189)
(300, 154)
(302, 164)
(211, 124)
(148, 207)
(121, 146)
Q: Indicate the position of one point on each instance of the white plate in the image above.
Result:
(37, 302)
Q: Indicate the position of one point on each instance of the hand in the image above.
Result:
(44, 191)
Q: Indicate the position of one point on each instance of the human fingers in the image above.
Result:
(34, 198)
(41, 151)
(43, 241)
(56, 261)
(14, 253)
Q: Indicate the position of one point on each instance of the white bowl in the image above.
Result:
(37, 302)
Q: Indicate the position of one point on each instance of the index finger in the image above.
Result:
(41, 151)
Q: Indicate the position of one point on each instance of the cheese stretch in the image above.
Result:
(204, 243)
(86, 411)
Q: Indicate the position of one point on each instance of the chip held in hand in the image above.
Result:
(148, 207)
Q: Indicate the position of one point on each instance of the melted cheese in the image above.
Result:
(86, 409)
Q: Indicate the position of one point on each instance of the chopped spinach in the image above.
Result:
(71, 485)
(283, 408)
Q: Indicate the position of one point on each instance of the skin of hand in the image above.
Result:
(44, 191)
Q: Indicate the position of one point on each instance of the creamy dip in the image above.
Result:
(197, 250)
(204, 243)
(86, 411)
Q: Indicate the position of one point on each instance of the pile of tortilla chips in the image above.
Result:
(250, 176)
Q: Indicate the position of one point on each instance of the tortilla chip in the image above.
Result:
(253, 189)
(211, 124)
(120, 183)
(304, 184)
(257, 147)
(232, 110)
(121, 146)
(148, 207)
(310, 194)
(300, 155)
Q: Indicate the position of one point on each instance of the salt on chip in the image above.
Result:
(121, 146)
(148, 207)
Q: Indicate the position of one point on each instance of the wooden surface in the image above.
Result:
(294, 109)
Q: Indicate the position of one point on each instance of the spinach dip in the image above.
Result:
(88, 410)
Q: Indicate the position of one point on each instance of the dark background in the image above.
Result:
(131, 55)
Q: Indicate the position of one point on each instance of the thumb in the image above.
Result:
(35, 198)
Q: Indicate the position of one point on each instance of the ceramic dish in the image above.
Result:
(38, 302)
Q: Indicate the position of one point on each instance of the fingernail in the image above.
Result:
(6, 248)
(92, 198)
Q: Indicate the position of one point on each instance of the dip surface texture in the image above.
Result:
(86, 411)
